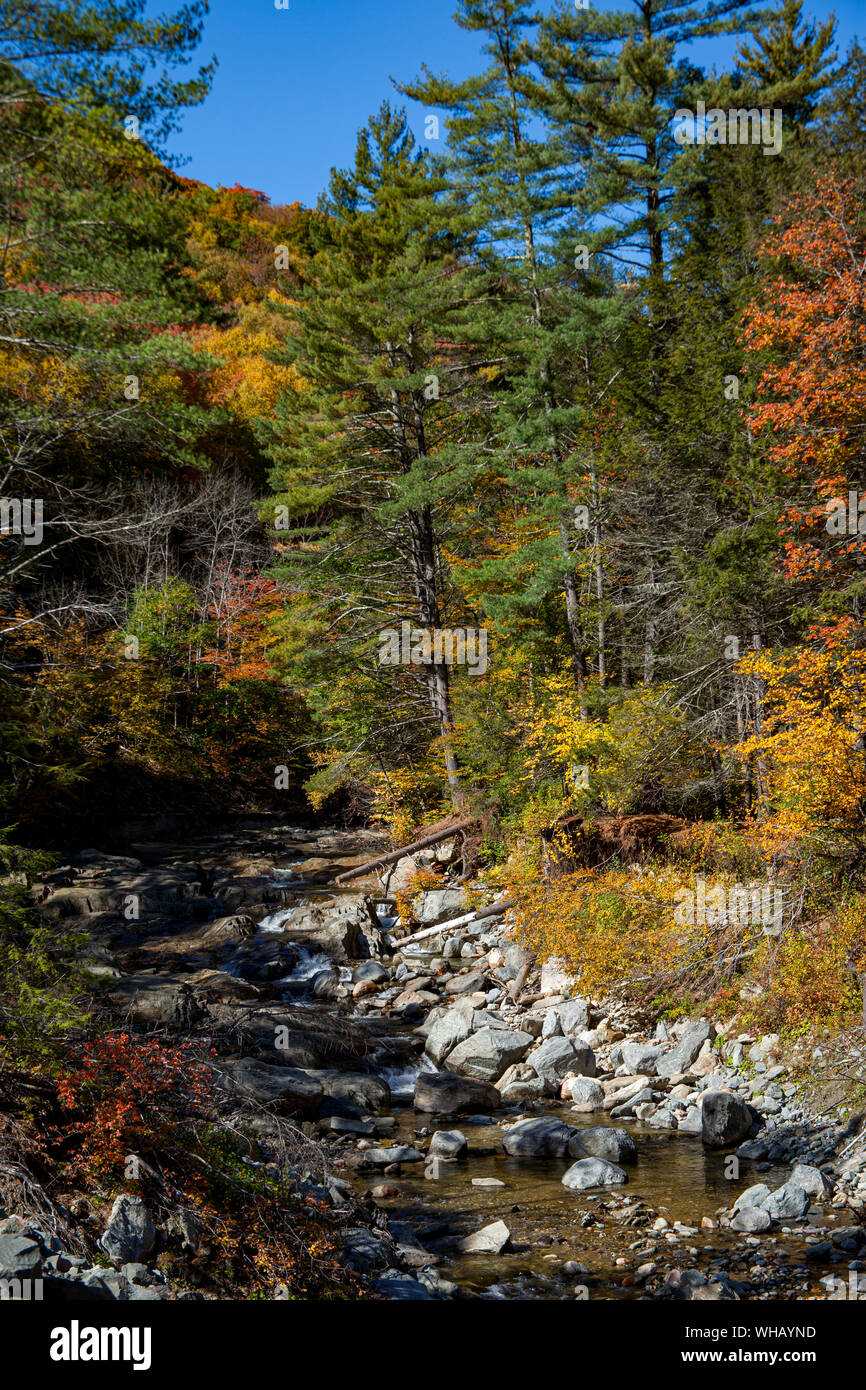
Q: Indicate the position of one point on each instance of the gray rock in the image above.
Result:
(383, 1157)
(490, 1240)
(787, 1201)
(130, 1233)
(287, 1090)
(448, 1143)
(573, 1016)
(365, 1251)
(753, 1196)
(691, 1122)
(485, 1055)
(538, 1138)
(811, 1180)
(439, 905)
(19, 1256)
(556, 1057)
(402, 1287)
(680, 1058)
(450, 1029)
(445, 1093)
(641, 1057)
(352, 1093)
(726, 1119)
(370, 970)
(585, 1091)
(605, 1141)
(593, 1172)
(751, 1219)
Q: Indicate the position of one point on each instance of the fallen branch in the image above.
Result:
(495, 910)
(396, 854)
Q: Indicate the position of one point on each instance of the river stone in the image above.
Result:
(490, 1240)
(725, 1119)
(641, 1057)
(584, 1091)
(448, 1143)
(754, 1196)
(370, 970)
(811, 1180)
(450, 1029)
(445, 1093)
(383, 1158)
(19, 1256)
(352, 1093)
(130, 1234)
(751, 1219)
(604, 1141)
(538, 1138)
(365, 1251)
(573, 1016)
(439, 905)
(556, 1057)
(680, 1058)
(486, 1054)
(593, 1172)
(287, 1089)
(787, 1201)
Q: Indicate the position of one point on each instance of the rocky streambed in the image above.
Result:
(486, 1130)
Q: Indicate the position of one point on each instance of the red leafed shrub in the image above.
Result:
(131, 1094)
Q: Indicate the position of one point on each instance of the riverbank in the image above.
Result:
(449, 1139)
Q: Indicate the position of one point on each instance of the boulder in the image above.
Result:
(448, 1143)
(538, 1138)
(593, 1172)
(287, 1090)
(754, 1196)
(20, 1256)
(751, 1219)
(555, 978)
(486, 1054)
(370, 970)
(439, 905)
(384, 1157)
(490, 1240)
(811, 1180)
(450, 1029)
(787, 1202)
(573, 1016)
(130, 1234)
(586, 1092)
(605, 1141)
(353, 1093)
(445, 1093)
(680, 1058)
(556, 1057)
(725, 1119)
(641, 1057)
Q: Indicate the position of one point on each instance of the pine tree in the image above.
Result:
(541, 317)
(366, 450)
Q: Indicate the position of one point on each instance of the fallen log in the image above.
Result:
(494, 910)
(396, 854)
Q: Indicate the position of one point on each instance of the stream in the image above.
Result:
(623, 1242)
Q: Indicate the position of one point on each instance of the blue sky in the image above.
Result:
(294, 85)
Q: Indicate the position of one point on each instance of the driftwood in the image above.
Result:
(495, 910)
(424, 843)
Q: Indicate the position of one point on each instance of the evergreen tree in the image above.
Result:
(363, 450)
